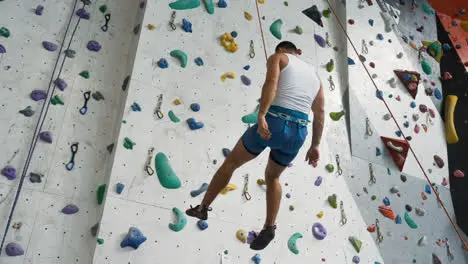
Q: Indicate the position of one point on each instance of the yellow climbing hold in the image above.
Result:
(450, 131)
(229, 75)
(177, 101)
(247, 16)
(228, 188)
(151, 27)
(320, 214)
(240, 234)
(464, 25)
(261, 1)
(261, 182)
(228, 42)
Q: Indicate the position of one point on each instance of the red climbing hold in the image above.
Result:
(410, 80)
(299, 52)
(371, 228)
(423, 196)
(447, 76)
(351, 21)
(387, 212)
(458, 174)
(398, 150)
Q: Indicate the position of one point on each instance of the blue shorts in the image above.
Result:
(287, 137)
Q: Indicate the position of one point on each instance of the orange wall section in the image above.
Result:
(450, 7)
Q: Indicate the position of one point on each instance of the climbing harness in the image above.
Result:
(369, 131)
(365, 50)
(343, 215)
(339, 171)
(171, 21)
(71, 164)
(252, 50)
(372, 179)
(148, 167)
(84, 109)
(379, 233)
(106, 25)
(327, 40)
(332, 84)
(449, 252)
(245, 191)
(13, 156)
(157, 110)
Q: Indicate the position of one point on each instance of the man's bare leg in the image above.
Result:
(274, 192)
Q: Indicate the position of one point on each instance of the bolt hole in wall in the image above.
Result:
(30, 45)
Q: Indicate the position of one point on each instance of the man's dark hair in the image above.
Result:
(286, 45)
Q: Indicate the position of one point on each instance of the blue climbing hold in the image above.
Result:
(234, 34)
(246, 67)
(194, 125)
(378, 152)
(413, 104)
(134, 238)
(379, 94)
(351, 61)
(371, 22)
(39, 10)
(428, 189)
(186, 25)
(406, 77)
(437, 94)
(222, 4)
(398, 133)
(162, 63)
(406, 124)
(199, 61)
(120, 187)
(202, 224)
(200, 190)
(136, 107)
(446, 47)
(380, 36)
(398, 219)
(256, 259)
(195, 107)
(386, 201)
(226, 152)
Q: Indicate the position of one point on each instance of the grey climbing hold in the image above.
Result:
(125, 83)
(422, 242)
(415, 117)
(70, 209)
(94, 229)
(49, 46)
(419, 211)
(70, 53)
(97, 96)
(9, 172)
(110, 148)
(35, 177)
(298, 30)
(245, 80)
(387, 117)
(61, 84)
(134, 238)
(400, 55)
(46, 136)
(14, 249)
(136, 29)
(394, 190)
(27, 112)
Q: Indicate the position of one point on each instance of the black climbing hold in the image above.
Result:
(408, 208)
(86, 2)
(226, 152)
(125, 83)
(110, 148)
(35, 177)
(403, 178)
(136, 29)
(97, 96)
(314, 14)
(70, 53)
(94, 229)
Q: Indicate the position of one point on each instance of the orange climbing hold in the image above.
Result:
(371, 228)
(423, 196)
(413, 45)
(387, 212)
(398, 150)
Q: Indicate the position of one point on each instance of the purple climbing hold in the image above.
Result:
(61, 84)
(38, 95)
(319, 39)
(2, 49)
(356, 259)
(93, 46)
(319, 231)
(251, 237)
(318, 181)
(49, 46)
(288, 195)
(9, 172)
(245, 80)
(39, 10)
(70, 209)
(13, 249)
(82, 13)
(46, 136)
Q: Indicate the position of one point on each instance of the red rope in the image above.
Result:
(465, 245)
(261, 30)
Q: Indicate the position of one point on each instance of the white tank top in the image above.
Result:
(298, 86)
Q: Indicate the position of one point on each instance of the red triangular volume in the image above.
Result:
(398, 150)
(410, 80)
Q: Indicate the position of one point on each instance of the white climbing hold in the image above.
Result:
(422, 241)
(395, 148)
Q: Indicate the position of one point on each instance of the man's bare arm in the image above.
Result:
(318, 107)
(271, 84)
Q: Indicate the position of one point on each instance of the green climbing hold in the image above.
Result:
(128, 143)
(330, 168)
(181, 56)
(326, 13)
(173, 117)
(250, 118)
(166, 175)
(275, 28)
(332, 200)
(184, 4)
(100, 193)
(181, 220)
(335, 116)
(427, 69)
(5, 32)
(292, 242)
(100, 241)
(286, 3)
(103, 8)
(298, 30)
(330, 65)
(357, 244)
(56, 100)
(209, 6)
(124, 121)
(84, 74)
(411, 223)
(373, 197)
(427, 8)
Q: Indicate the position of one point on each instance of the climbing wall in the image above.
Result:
(194, 155)
(38, 225)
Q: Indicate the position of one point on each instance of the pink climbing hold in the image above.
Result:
(417, 129)
(458, 174)
(438, 160)
(444, 182)
(447, 76)
(431, 113)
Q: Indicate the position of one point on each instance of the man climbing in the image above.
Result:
(291, 89)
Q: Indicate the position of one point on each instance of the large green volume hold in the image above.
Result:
(166, 174)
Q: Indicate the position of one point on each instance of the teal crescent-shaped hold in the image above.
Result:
(181, 220)
(184, 4)
(166, 174)
(292, 243)
(209, 6)
(275, 29)
(411, 223)
(181, 56)
(250, 118)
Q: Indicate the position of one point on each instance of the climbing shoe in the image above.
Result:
(201, 214)
(264, 238)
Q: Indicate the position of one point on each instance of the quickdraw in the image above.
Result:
(107, 17)
(339, 171)
(252, 50)
(372, 179)
(171, 21)
(71, 164)
(365, 50)
(369, 131)
(157, 110)
(148, 167)
(343, 220)
(449, 252)
(332, 84)
(84, 109)
(379, 233)
(245, 191)
(327, 40)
